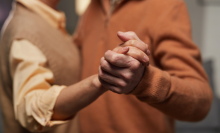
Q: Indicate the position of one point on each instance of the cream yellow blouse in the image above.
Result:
(31, 79)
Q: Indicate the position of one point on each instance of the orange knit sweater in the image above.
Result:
(174, 86)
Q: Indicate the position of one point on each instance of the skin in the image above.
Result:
(79, 95)
(132, 57)
(121, 73)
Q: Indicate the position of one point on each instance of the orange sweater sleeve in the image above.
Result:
(178, 86)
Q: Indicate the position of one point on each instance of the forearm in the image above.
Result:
(77, 96)
(187, 98)
(179, 86)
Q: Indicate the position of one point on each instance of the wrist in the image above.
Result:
(97, 84)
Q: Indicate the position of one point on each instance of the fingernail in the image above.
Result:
(148, 52)
(145, 58)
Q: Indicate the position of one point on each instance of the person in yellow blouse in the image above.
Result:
(39, 76)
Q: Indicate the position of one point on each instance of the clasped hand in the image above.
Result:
(122, 68)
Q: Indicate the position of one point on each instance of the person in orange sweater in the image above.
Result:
(173, 86)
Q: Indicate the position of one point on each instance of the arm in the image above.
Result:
(77, 96)
(180, 87)
(38, 104)
(89, 89)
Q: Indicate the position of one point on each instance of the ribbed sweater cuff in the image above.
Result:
(154, 86)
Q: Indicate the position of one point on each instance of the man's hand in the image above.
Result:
(122, 69)
(131, 48)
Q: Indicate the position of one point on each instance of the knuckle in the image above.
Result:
(115, 58)
(127, 76)
(101, 60)
(135, 65)
(101, 74)
(128, 43)
(104, 65)
(107, 53)
(131, 42)
(122, 84)
(140, 53)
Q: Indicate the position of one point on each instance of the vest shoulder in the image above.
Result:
(26, 21)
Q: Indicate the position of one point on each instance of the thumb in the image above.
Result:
(126, 36)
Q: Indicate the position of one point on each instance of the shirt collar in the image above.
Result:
(55, 18)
